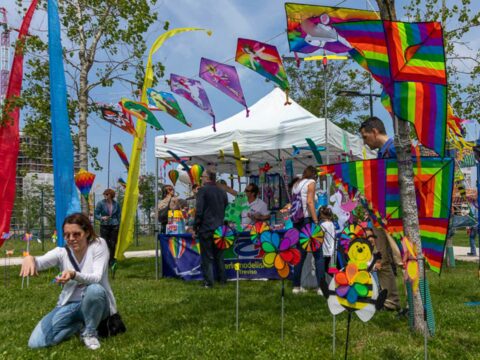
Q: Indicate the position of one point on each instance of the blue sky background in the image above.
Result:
(228, 19)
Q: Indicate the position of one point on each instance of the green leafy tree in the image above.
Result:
(146, 190)
(103, 44)
(307, 87)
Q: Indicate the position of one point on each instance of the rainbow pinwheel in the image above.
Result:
(349, 233)
(196, 172)
(311, 237)
(223, 237)
(84, 181)
(173, 176)
(410, 263)
(280, 253)
(54, 236)
(27, 237)
(177, 246)
(257, 230)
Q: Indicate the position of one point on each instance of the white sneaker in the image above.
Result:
(91, 342)
(298, 290)
(319, 292)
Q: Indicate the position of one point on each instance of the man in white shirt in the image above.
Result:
(258, 209)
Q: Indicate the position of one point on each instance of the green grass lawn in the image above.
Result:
(172, 319)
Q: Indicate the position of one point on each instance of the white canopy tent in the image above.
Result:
(267, 135)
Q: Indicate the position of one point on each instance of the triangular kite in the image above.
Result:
(193, 91)
(164, 101)
(115, 116)
(224, 78)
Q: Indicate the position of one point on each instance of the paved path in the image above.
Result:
(460, 254)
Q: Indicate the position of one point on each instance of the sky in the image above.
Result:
(228, 20)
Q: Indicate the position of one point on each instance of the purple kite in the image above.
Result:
(224, 78)
(193, 91)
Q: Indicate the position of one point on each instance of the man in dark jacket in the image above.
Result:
(210, 212)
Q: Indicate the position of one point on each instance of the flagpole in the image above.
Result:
(109, 150)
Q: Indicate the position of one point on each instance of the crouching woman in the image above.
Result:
(86, 298)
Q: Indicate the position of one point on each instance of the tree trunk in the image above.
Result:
(406, 182)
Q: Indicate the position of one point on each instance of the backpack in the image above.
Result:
(296, 210)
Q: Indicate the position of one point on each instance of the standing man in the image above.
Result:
(108, 212)
(210, 212)
(472, 233)
(374, 135)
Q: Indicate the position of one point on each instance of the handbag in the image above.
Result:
(112, 324)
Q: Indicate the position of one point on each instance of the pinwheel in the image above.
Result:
(280, 253)
(54, 236)
(223, 237)
(311, 237)
(173, 176)
(257, 230)
(84, 181)
(349, 233)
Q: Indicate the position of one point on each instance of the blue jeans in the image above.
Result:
(67, 320)
(317, 255)
(473, 238)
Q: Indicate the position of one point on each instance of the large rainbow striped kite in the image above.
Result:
(377, 182)
(408, 59)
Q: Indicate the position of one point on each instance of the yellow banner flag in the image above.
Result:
(130, 201)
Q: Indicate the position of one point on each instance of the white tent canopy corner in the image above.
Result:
(267, 135)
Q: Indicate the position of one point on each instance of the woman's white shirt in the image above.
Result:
(301, 187)
(94, 270)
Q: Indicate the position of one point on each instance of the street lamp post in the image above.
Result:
(358, 93)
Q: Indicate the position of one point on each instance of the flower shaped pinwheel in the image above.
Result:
(280, 253)
(352, 284)
(257, 230)
(311, 237)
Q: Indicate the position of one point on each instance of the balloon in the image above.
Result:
(183, 176)
(196, 171)
(173, 176)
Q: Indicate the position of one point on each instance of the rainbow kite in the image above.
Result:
(309, 27)
(408, 59)
(166, 102)
(263, 59)
(193, 91)
(224, 78)
(121, 153)
(433, 186)
(84, 181)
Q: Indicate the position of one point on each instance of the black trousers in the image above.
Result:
(211, 256)
(110, 234)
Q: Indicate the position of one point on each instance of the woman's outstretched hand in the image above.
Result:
(29, 267)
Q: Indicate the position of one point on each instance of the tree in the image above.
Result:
(146, 190)
(463, 61)
(307, 87)
(105, 45)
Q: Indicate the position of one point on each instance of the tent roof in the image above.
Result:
(267, 135)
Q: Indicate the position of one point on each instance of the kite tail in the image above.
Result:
(287, 102)
(213, 126)
(248, 111)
